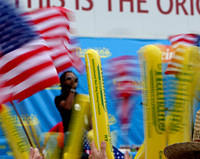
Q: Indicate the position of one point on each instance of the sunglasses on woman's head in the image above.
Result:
(71, 78)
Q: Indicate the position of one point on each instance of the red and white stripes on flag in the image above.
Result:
(123, 71)
(53, 25)
(183, 39)
(26, 71)
(178, 42)
(176, 63)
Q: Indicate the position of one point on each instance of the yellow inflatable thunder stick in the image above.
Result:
(194, 58)
(19, 145)
(78, 123)
(98, 102)
(141, 153)
(154, 105)
(179, 119)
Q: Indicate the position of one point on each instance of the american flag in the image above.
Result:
(178, 42)
(184, 39)
(25, 64)
(123, 72)
(53, 25)
(117, 154)
(86, 146)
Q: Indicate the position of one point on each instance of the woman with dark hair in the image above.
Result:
(64, 102)
(67, 101)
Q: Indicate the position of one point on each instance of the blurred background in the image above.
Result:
(115, 28)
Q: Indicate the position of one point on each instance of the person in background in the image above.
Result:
(64, 102)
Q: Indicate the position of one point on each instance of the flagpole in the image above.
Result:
(20, 119)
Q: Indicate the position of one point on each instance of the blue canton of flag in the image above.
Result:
(198, 41)
(14, 30)
(86, 146)
(118, 154)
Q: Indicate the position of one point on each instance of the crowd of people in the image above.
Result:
(95, 154)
